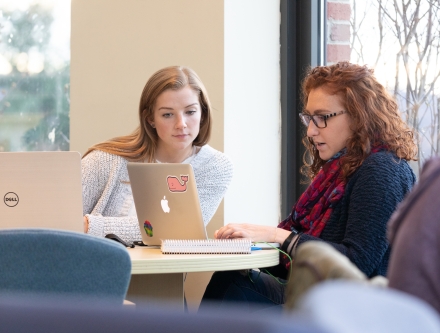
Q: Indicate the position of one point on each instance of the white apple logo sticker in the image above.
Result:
(164, 204)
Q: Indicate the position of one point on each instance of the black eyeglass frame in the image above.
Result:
(305, 118)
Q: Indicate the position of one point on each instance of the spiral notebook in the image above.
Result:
(207, 246)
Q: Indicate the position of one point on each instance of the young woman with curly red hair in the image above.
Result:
(357, 148)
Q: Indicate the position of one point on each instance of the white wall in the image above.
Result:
(232, 44)
(252, 110)
(115, 47)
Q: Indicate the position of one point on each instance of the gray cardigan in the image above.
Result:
(107, 196)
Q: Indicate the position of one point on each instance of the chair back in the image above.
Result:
(414, 235)
(63, 263)
(316, 262)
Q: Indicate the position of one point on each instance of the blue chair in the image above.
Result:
(62, 263)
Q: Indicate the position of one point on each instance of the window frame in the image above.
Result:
(303, 44)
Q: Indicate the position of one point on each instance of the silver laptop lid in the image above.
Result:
(167, 202)
(41, 190)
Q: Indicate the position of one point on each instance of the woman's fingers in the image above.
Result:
(237, 230)
(225, 232)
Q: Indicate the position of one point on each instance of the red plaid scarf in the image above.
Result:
(314, 207)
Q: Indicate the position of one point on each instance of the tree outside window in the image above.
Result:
(400, 40)
(34, 75)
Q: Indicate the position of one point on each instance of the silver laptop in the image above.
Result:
(166, 201)
(41, 190)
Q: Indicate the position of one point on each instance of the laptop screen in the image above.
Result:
(167, 202)
(41, 190)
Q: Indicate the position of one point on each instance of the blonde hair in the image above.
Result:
(374, 113)
(142, 143)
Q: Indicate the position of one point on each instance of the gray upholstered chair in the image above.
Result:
(61, 263)
(346, 306)
(43, 315)
(316, 262)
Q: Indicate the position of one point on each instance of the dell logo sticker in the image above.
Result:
(11, 199)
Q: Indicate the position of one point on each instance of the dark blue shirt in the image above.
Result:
(358, 225)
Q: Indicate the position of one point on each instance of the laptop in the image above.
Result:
(41, 190)
(166, 201)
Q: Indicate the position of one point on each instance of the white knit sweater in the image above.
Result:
(107, 197)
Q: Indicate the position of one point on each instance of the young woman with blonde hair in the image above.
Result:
(356, 159)
(174, 127)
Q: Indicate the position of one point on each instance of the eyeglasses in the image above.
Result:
(319, 120)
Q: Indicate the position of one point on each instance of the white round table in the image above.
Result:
(157, 276)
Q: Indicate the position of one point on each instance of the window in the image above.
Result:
(34, 75)
(401, 41)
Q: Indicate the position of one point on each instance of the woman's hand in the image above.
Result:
(86, 224)
(257, 233)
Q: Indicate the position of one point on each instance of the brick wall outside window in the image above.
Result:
(338, 30)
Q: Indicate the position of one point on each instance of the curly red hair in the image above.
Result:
(374, 113)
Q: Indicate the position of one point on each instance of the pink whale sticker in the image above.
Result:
(176, 185)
